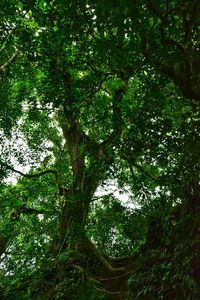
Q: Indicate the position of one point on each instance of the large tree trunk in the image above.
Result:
(110, 276)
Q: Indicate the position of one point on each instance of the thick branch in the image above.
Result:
(30, 211)
(75, 143)
(185, 72)
(87, 247)
(109, 275)
(183, 79)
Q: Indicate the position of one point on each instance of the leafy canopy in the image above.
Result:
(96, 92)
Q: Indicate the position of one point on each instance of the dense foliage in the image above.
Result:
(99, 137)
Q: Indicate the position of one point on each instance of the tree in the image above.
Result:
(93, 92)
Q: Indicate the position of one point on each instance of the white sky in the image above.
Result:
(124, 195)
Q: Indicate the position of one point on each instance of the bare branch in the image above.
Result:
(50, 171)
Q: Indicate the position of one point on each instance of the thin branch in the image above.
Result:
(139, 167)
(6, 39)
(107, 291)
(9, 61)
(106, 74)
(50, 171)
(21, 253)
(116, 119)
(114, 277)
(170, 41)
